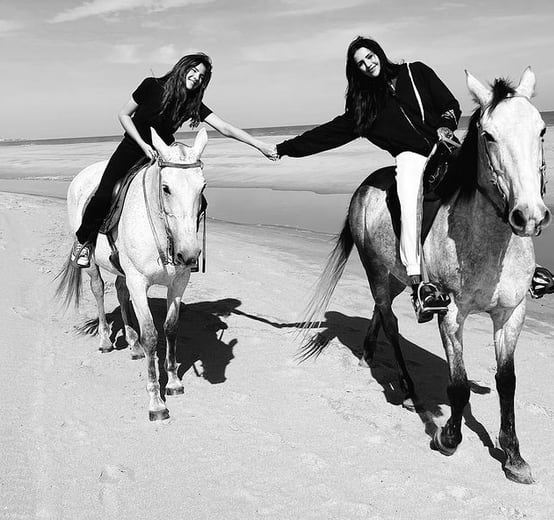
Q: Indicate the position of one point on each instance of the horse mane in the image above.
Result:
(462, 172)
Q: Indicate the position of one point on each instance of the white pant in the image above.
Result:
(409, 181)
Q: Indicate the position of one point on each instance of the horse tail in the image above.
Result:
(329, 278)
(69, 286)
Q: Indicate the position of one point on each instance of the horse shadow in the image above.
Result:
(200, 343)
(428, 371)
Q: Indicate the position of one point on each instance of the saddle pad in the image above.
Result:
(118, 198)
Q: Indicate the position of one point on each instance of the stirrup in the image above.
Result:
(429, 299)
(542, 282)
(80, 254)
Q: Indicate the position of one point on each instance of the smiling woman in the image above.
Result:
(162, 104)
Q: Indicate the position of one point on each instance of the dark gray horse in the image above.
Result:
(479, 248)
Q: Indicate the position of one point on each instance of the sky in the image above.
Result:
(67, 67)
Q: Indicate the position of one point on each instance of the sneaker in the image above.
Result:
(429, 299)
(80, 254)
(542, 282)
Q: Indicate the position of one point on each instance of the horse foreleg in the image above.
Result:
(97, 288)
(174, 294)
(149, 341)
(447, 439)
(131, 336)
(507, 326)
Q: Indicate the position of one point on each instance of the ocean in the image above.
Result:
(243, 186)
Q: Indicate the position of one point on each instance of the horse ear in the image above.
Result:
(527, 82)
(158, 143)
(479, 92)
(200, 141)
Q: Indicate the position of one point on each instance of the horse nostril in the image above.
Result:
(547, 218)
(517, 219)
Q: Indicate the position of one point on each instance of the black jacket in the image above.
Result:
(398, 127)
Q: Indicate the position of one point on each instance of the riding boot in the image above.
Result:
(428, 298)
(542, 282)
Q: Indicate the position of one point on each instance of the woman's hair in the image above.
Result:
(178, 103)
(365, 96)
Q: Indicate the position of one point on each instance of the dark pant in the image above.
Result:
(126, 155)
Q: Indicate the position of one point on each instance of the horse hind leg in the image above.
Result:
(131, 336)
(384, 289)
(506, 332)
(370, 341)
(97, 288)
(447, 439)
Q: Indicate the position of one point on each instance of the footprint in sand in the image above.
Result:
(115, 481)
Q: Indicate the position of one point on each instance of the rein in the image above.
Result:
(165, 256)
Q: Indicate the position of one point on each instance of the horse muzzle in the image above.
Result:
(187, 258)
(527, 221)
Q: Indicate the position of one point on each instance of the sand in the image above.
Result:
(256, 434)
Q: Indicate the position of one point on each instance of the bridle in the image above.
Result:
(496, 179)
(166, 255)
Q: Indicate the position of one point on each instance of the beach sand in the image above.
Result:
(259, 435)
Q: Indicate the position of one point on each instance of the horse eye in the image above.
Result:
(488, 137)
(543, 131)
(166, 189)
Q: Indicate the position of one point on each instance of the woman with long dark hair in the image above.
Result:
(164, 104)
(403, 109)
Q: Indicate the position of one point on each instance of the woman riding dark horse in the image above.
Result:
(404, 109)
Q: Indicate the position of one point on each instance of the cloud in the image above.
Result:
(131, 53)
(8, 26)
(318, 6)
(124, 53)
(321, 45)
(106, 7)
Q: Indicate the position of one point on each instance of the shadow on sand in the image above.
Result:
(200, 338)
(428, 371)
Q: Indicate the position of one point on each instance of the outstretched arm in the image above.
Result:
(228, 130)
(324, 137)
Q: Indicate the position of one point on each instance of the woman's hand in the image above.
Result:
(445, 133)
(270, 151)
(150, 152)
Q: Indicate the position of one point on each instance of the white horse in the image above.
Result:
(479, 248)
(157, 242)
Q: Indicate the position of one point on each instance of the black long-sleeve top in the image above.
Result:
(392, 130)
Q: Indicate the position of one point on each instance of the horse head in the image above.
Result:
(181, 184)
(511, 161)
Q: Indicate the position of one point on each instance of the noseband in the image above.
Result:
(166, 257)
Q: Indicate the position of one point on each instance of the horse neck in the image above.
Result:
(477, 210)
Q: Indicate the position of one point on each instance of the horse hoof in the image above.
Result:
(158, 415)
(520, 474)
(105, 350)
(136, 355)
(174, 391)
(439, 446)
